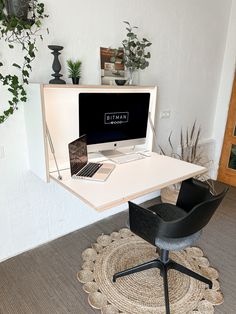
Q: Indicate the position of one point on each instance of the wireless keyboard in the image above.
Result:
(126, 158)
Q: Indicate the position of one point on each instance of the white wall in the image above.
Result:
(188, 38)
(225, 88)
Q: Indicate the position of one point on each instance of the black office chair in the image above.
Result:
(173, 227)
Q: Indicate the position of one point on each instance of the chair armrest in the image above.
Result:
(143, 222)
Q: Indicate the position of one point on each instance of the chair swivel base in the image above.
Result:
(164, 266)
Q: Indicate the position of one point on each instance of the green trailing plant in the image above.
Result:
(74, 68)
(135, 54)
(23, 32)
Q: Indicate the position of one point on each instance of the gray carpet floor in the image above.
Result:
(44, 281)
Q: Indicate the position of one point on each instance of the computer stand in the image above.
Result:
(116, 152)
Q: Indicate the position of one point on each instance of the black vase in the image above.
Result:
(75, 80)
(17, 8)
(56, 66)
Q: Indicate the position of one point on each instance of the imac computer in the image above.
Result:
(113, 119)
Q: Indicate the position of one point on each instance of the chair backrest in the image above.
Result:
(197, 217)
(192, 192)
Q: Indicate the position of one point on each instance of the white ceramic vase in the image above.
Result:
(169, 194)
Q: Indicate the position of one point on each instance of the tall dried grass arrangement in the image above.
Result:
(189, 150)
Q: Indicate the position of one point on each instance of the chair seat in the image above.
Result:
(176, 244)
(169, 212)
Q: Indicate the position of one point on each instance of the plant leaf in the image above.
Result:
(16, 65)
(169, 140)
(182, 144)
(162, 151)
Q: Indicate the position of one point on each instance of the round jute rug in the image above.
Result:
(142, 293)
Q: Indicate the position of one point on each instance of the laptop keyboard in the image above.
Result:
(89, 170)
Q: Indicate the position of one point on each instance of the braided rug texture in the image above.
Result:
(142, 293)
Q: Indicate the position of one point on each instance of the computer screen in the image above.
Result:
(116, 118)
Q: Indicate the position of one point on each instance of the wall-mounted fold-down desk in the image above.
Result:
(130, 180)
(58, 107)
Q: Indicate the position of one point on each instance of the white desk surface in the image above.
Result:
(129, 181)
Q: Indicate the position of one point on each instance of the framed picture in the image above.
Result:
(112, 67)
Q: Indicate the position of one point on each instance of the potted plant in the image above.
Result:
(19, 27)
(135, 54)
(17, 8)
(188, 150)
(74, 68)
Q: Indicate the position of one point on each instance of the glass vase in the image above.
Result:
(132, 76)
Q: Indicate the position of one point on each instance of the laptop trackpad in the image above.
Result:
(103, 173)
(104, 170)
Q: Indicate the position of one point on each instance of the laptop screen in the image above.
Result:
(78, 154)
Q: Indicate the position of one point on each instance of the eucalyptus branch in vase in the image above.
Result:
(135, 54)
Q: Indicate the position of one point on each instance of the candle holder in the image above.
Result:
(56, 66)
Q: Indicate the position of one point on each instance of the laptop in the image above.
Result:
(79, 166)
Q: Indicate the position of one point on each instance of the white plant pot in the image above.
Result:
(169, 194)
(17, 8)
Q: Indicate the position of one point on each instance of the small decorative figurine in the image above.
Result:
(56, 66)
